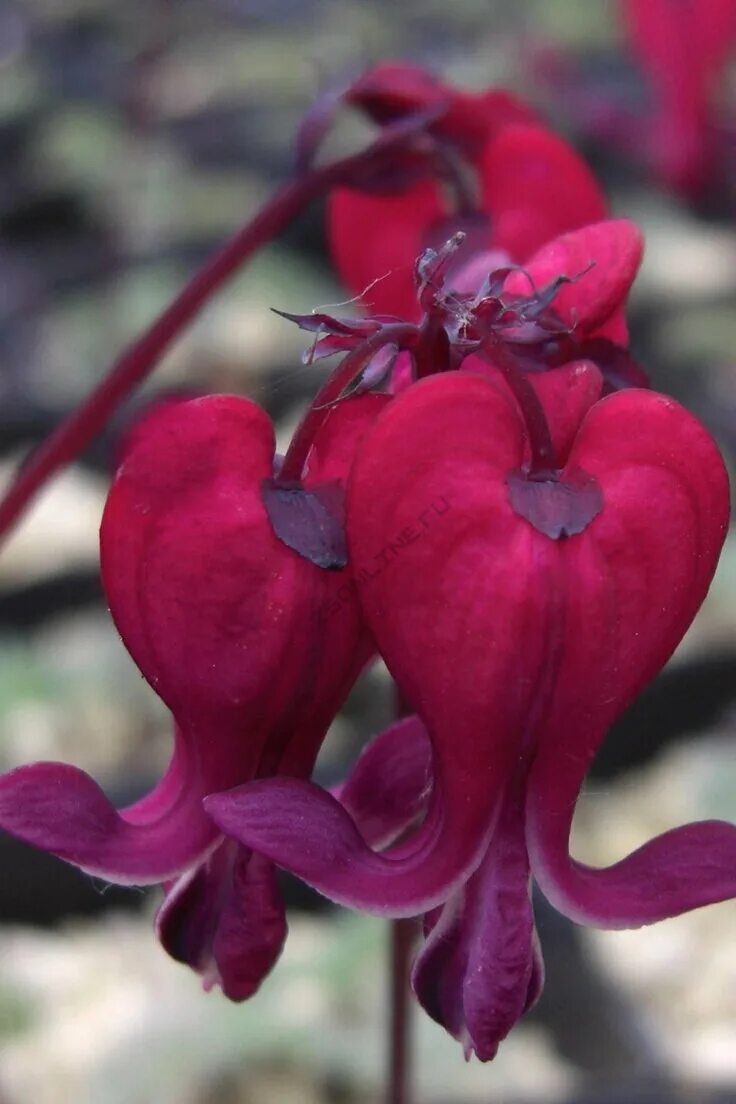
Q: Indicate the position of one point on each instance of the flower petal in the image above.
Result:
(185, 507)
(388, 787)
(535, 186)
(479, 967)
(601, 260)
(252, 647)
(656, 543)
(223, 619)
(421, 525)
(680, 870)
(62, 810)
(322, 839)
(376, 239)
(188, 563)
(226, 920)
(305, 830)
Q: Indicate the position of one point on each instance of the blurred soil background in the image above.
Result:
(133, 138)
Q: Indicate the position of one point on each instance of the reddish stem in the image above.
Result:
(332, 390)
(543, 459)
(139, 359)
(402, 934)
(398, 1090)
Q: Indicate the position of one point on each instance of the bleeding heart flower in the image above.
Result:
(520, 604)
(227, 623)
(515, 185)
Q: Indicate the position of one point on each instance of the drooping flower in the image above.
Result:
(498, 174)
(528, 555)
(227, 623)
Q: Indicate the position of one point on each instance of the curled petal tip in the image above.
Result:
(60, 809)
(303, 829)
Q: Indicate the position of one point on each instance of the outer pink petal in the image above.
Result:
(435, 548)
(478, 969)
(602, 259)
(187, 550)
(635, 580)
(535, 187)
(388, 787)
(229, 626)
(376, 239)
(61, 809)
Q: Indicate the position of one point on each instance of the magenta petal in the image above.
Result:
(480, 968)
(226, 920)
(61, 809)
(657, 541)
(304, 829)
(680, 870)
(452, 590)
(601, 261)
(388, 786)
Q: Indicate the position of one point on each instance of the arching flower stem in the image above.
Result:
(137, 362)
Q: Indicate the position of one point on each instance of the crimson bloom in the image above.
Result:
(224, 621)
(527, 554)
(498, 174)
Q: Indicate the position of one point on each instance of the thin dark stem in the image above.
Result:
(402, 936)
(139, 359)
(543, 460)
(399, 1055)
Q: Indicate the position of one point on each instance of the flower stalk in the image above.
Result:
(399, 1074)
(137, 362)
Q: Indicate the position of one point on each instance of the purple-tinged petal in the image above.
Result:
(226, 920)
(655, 544)
(388, 787)
(435, 547)
(62, 810)
(479, 969)
(683, 869)
(303, 829)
